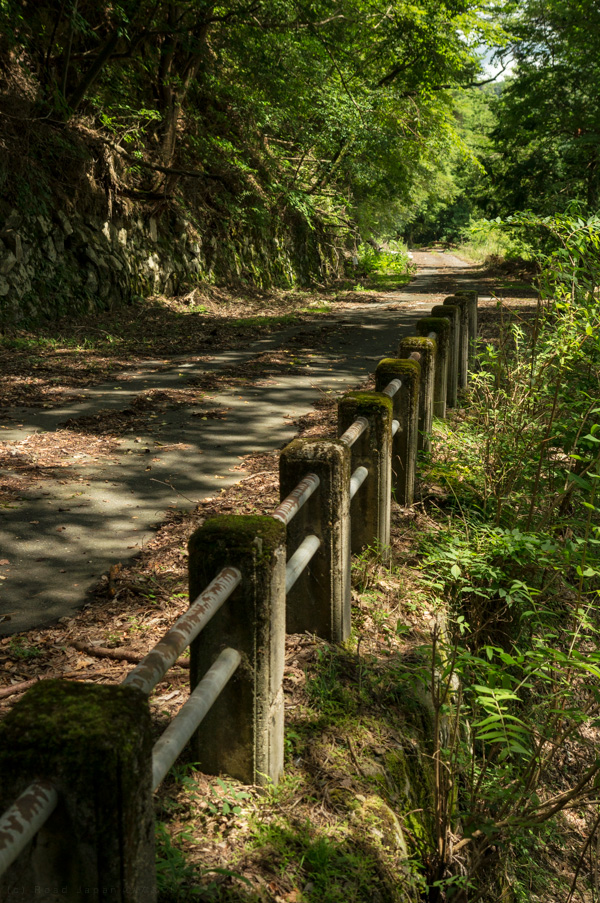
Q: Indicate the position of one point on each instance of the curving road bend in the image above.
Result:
(59, 537)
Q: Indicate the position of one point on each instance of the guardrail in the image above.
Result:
(81, 757)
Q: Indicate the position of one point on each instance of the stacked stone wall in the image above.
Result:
(67, 262)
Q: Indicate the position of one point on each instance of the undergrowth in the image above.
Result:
(351, 818)
(514, 558)
(447, 752)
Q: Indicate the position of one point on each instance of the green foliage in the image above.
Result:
(226, 799)
(329, 865)
(322, 110)
(534, 135)
(452, 197)
(548, 114)
(21, 650)
(519, 564)
(488, 239)
(536, 394)
(173, 873)
(569, 254)
(390, 260)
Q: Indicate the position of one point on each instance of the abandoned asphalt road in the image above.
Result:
(60, 536)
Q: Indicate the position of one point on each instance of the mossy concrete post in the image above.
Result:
(426, 349)
(406, 412)
(370, 509)
(441, 327)
(472, 299)
(319, 601)
(93, 743)
(452, 313)
(463, 342)
(242, 734)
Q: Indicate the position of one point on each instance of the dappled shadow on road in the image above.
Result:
(52, 364)
(435, 279)
(43, 366)
(175, 436)
(65, 532)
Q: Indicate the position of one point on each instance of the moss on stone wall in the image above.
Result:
(87, 252)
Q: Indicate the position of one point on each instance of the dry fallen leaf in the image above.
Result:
(167, 696)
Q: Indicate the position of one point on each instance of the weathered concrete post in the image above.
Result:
(406, 412)
(370, 509)
(426, 348)
(319, 601)
(463, 345)
(94, 744)
(472, 299)
(441, 327)
(452, 313)
(242, 734)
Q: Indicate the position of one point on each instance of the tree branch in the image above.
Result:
(449, 86)
(156, 167)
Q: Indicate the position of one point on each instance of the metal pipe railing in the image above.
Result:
(169, 746)
(290, 506)
(354, 431)
(21, 821)
(155, 665)
(392, 387)
(300, 559)
(26, 816)
(357, 479)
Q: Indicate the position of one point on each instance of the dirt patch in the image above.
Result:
(141, 415)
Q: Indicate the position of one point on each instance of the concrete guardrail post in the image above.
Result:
(409, 348)
(472, 299)
(370, 509)
(441, 327)
(406, 412)
(319, 602)
(242, 734)
(463, 343)
(93, 743)
(452, 313)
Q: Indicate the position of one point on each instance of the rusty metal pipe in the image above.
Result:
(354, 431)
(291, 505)
(21, 821)
(395, 427)
(168, 747)
(155, 665)
(300, 559)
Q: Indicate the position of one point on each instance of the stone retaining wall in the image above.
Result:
(68, 262)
